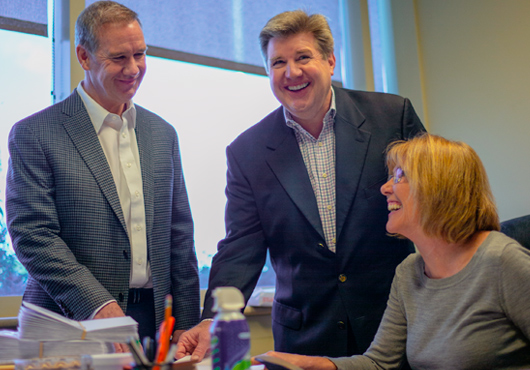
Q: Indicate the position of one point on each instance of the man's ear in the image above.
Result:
(332, 63)
(83, 57)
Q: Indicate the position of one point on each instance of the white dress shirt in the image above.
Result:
(118, 141)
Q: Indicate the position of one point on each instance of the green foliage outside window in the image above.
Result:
(13, 275)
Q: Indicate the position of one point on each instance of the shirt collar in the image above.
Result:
(98, 114)
(329, 118)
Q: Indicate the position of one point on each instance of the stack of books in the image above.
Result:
(42, 333)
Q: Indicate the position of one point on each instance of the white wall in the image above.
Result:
(475, 56)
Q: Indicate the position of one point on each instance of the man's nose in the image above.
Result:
(293, 70)
(131, 67)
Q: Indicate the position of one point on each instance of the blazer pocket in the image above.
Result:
(287, 316)
(374, 189)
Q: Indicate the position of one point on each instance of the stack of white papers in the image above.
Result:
(39, 324)
(8, 345)
(12, 347)
(113, 361)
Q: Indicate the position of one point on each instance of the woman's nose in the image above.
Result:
(387, 187)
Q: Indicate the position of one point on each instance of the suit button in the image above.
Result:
(68, 313)
(341, 325)
(120, 296)
(125, 254)
(342, 278)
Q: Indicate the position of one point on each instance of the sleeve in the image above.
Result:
(184, 270)
(411, 123)
(515, 285)
(34, 226)
(241, 255)
(388, 348)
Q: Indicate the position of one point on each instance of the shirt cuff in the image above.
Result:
(99, 309)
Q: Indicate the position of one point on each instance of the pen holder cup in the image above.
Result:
(166, 366)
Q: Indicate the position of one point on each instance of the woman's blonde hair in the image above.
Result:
(448, 184)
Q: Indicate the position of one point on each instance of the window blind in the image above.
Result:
(28, 16)
(221, 33)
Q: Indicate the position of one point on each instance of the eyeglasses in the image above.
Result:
(397, 175)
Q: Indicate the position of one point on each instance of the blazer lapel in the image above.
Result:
(82, 133)
(146, 152)
(286, 161)
(351, 148)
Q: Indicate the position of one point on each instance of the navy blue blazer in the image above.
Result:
(65, 219)
(271, 205)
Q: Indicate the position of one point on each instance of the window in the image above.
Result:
(208, 107)
(382, 42)
(222, 33)
(26, 84)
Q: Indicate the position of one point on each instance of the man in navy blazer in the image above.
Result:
(96, 202)
(304, 184)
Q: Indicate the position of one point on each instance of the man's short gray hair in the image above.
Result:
(93, 17)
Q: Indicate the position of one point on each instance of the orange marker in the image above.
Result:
(166, 329)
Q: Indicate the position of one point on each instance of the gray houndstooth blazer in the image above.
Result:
(67, 226)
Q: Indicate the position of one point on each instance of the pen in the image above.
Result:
(171, 354)
(136, 351)
(169, 307)
(166, 328)
(149, 348)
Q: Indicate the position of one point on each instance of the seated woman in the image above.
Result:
(463, 301)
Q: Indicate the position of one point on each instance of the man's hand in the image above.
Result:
(112, 310)
(195, 342)
(305, 362)
(176, 335)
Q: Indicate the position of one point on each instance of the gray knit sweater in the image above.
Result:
(476, 319)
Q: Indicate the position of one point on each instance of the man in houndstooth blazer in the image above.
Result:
(64, 207)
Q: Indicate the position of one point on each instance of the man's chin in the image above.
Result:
(128, 95)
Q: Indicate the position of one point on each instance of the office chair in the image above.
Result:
(518, 229)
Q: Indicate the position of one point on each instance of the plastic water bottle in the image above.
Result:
(229, 332)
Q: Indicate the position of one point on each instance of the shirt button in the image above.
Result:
(342, 278)
(138, 227)
(123, 135)
(330, 207)
(139, 261)
(320, 144)
(129, 165)
(324, 175)
(137, 194)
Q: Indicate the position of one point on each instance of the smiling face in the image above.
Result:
(114, 72)
(403, 218)
(300, 76)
